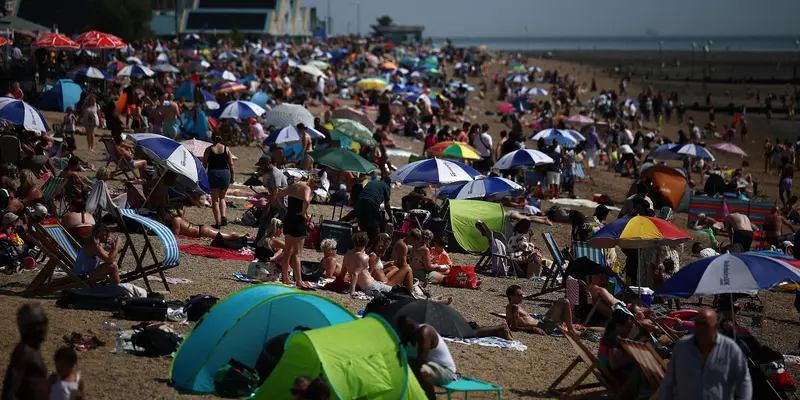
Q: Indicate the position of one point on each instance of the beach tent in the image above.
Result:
(671, 183)
(185, 91)
(463, 214)
(195, 124)
(260, 98)
(65, 93)
(239, 326)
(374, 367)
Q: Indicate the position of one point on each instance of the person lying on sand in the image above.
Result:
(704, 222)
(643, 315)
(520, 320)
(174, 218)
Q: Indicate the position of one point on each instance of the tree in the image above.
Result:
(236, 36)
(382, 21)
(128, 19)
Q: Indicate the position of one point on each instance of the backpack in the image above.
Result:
(155, 342)
(9, 253)
(198, 306)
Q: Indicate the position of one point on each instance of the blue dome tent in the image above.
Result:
(65, 93)
(239, 325)
(185, 91)
(195, 124)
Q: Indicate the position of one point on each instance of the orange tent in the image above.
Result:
(669, 182)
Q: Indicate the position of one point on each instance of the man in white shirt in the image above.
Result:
(626, 137)
(321, 89)
(483, 143)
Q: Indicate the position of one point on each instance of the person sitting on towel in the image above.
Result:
(356, 263)
(98, 256)
(520, 320)
(428, 355)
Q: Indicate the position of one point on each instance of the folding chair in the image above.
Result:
(551, 283)
(467, 385)
(52, 190)
(171, 254)
(61, 250)
(496, 257)
(652, 366)
(121, 164)
(606, 383)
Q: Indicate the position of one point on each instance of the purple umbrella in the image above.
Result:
(730, 148)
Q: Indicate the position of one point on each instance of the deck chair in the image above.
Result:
(143, 256)
(467, 385)
(606, 383)
(61, 250)
(497, 257)
(121, 165)
(53, 194)
(10, 150)
(552, 283)
(652, 366)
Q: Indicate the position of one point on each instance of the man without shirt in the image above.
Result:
(520, 320)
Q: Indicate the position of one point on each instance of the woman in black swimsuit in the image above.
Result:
(295, 225)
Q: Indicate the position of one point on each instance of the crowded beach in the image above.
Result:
(386, 222)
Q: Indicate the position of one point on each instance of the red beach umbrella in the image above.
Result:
(109, 42)
(55, 41)
(93, 35)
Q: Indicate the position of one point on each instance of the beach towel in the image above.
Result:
(491, 341)
(171, 128)
(214, 252)
(171, 280)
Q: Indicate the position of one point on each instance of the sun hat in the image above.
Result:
(9, 218)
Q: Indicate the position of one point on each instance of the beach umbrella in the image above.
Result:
(352, 80)
(730, 148)
(290, 135)
(115, 65)
(506, 108)
(534, 69)
(210, 100)
(580, 119)
(354, 130)
(93, 35)
(198, 147)
(279, 54)
(372, 83)
(228, 88)
(166, 68)
(516, 78)
(452, 149)
(160, 48)
(171, 155)
(55, 41)
(103, 42)
(638, 232)
(458, 84)
(389, 66)
(322, 65)
(343, 160)
(491, 187)
(355, 115)
(434, 171)
(312, 70)
(728, 273)
(290, 62)
(289, 114)
(566, 137)
(517, 68)
(371, 59)
(162, 58)
(135, 70)
(227, 55)
(523, 158)
(222, 75)
(21, 113)
(441, 317)
(4, 41)
(134, 60)
(200, 64)
(261, 53)
(239, 110)
(677, 151)
(89, 73)
(260, 98)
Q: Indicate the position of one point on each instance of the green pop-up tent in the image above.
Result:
(374, 368)
(463, 216)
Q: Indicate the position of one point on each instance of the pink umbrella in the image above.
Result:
(730, 148)
(355, 115)
(506, 108)
(580, 119)
(198, 148)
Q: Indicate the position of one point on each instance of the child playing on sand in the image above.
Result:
(330, 267)
(26, 374)
(66, 382)
(439, 255)
(520, 320)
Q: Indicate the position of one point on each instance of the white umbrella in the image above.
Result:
(523, 158)
(434, 171)
(312, 70)
(240, 110)
(21, 113)
(166, 68)
(135, 70)
(134, 60)
(289, 114)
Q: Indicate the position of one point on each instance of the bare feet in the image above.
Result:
(508, 334)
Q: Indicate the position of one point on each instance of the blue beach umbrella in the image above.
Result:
(222, 75)
(135, 70)
(175, 157)
(290, 135)
(227, 56)
(211, 101)
(434, 171)
(89, 73)
(21, 113)
(523, 158)
(481, 188)
(260, 98)
(677, 151)
(240, 110)
(566, 137)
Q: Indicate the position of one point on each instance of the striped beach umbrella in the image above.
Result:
(240, 110)
(262, 53)
(115, 65)
(55, 41)
(673, 151)
(222, 75)
(290, 135)
(567, 137)
(227, 55)
(89, 73)
(523, 158)
(452, 149)
(491, 187)
(166, 68)
(211, 101)
(638, 232)
(134, 60)
(21, 113)
(434, 171)
(228, 88)
(178, 159)
(103, 42)
(135, 70)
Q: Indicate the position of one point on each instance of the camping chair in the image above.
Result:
(10, 149)
(121, 164)
(496, 257)
(606, 383)
(652, 366)
(466, 384)
(551, 283)
(171, 254)
(61, 250)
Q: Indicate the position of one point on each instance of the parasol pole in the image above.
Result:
(733, 318)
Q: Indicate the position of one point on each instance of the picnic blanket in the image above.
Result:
(214, 252)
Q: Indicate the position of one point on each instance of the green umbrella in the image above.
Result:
(354, 130)
(342, 160)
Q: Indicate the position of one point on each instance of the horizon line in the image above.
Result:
(601, 37)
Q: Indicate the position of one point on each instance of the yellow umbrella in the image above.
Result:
(454, 149)
(372, 84)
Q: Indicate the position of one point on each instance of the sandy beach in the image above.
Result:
(523, 374)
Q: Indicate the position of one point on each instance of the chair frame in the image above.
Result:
(606, 383)
(44, 282)
(140, 258)
(652, 366)
(557, 270)
(120, 163)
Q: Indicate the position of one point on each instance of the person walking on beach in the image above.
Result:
(785, 180)
(26, 374)
(90, 119)
(706, 365)
(218, 162)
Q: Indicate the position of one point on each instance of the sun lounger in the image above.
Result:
(122, 165)
(552, 283)
(61, 250)
(467, 385)
(606, 383)
(652, 366)
(147, 253)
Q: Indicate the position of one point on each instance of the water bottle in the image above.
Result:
(112, 327)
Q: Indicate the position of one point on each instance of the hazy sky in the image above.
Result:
(486, 18)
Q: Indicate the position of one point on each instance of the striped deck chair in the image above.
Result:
(121, 165)
(147, 252)
(61, 250)
(52, 189)
(582, 249)
(555, 279)
(652, 366)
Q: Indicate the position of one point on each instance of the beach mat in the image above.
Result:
(214, 252)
